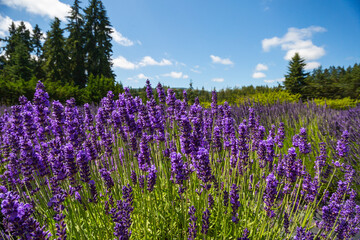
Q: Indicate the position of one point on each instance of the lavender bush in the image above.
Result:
(162, 169)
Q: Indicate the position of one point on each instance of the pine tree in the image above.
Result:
(98, 45)
(295, 78)
(18, 64)
(37, 38)
(75, 45)
(56, 61)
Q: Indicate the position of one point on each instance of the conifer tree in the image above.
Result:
(75, 44)
(37, 37)
(98, 45)
(295, 78)
(56, 61)
(18, 47)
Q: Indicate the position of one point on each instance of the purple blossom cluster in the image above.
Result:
(129, 156)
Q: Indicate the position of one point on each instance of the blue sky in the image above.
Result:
(214, 44)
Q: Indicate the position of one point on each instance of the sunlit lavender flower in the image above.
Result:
(151, 178)
(235, 203)
(280, 136)
(205, 221)
(93, 191)
(245, 235)
(192, 223)
(149, 92)
(17, 219)
(302, 234)
(83, 162)
(161, 93)
(342, 145)
(178, 168)
(70, 160)
(133, 177)
(105, 174)
(214, 106)
(216, 141)
(202, 165)
(144, 155)
(141, 181)
(270, 193)
(185, 137)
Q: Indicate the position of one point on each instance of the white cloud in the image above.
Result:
(258, 75)
(217, 79)
(5, 23)
(142, 76)
(149, 61)
(312, 65)
(261, 67)
(195, 70)
(122, 62)
(120, 39)
(225, 61)
(274, 80)
(176, 75)
(297, 40)
(138, 77)
(49, 8)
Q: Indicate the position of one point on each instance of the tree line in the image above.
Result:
(331, 83)
(75, 61)
(78, 65)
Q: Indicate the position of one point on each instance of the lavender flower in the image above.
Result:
(83, 162)
(280, 136)
(342, 145)
(178, 168)
(105, 174)
(205, 221)
(151, 178)
(149, 93)
(161, 93)
(192, 223)
(270, 194)
(202, 165)
(235, 203)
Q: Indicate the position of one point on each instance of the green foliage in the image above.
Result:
(56, 64)
(343, 103)
(75, 44)
(295, 78)
(98, 45)
(98, 87)
(270, 97)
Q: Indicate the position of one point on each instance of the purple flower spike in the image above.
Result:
(105, 174)
(149, 92)
(270, 193)
(205, 221)
(342, 145)
(235, 203)
(192, 223)
(151, 178)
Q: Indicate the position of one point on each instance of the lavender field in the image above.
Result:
(165, 169)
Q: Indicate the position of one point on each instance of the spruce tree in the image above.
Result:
(295, 78)
(98, 45)
(37, 38)
(18, 50)
(75, 45)
(56, 61)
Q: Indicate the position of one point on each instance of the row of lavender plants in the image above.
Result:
(323, 124)
(166, 170)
